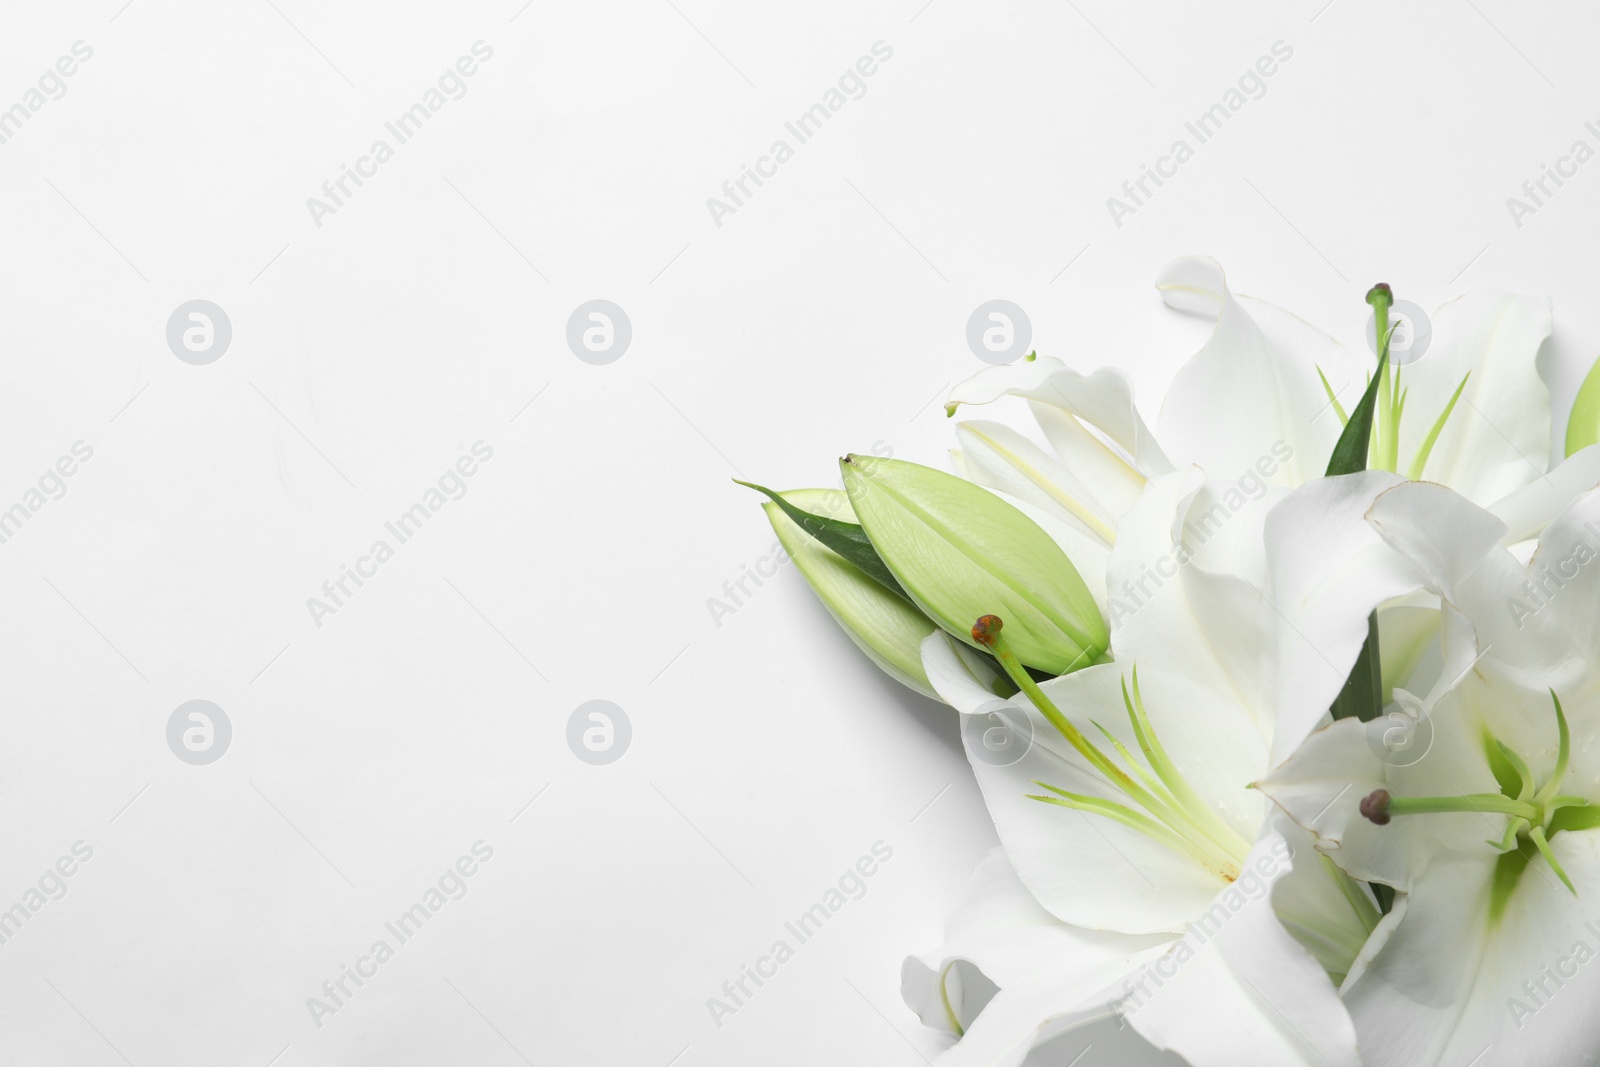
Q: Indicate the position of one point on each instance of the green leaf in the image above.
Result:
(846, 538)
(884, 625)
(1350, 451)
(1362, 695)
(1583, 425)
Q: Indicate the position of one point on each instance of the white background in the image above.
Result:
(827, 314)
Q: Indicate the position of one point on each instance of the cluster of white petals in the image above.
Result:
(1204, 866)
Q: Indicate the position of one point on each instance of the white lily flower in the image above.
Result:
(1489, 836)
(1011, 976)
(1088, 482)
(1268, 392)
(1129, 816)
(1472, 412)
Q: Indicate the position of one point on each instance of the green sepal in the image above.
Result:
(1504, 770)
(1575, 818)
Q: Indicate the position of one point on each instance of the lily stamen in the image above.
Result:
(1384, 450)
(1173, 814)
(1532, 812)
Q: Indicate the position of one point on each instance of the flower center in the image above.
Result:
(1162, 804)
(1384, 452)
(1534, 810)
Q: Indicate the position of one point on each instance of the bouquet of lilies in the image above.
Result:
(1287, 713)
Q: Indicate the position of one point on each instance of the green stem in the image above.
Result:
(1366, 911)
(1086, 748)
(1172, 818)
(1492, 803)
(1382, 427)
(1210, 823)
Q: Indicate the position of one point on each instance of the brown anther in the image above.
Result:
(986, 629)
(1375, 807)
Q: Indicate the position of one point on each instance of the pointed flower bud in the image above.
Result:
(882, 623)
(961, 552)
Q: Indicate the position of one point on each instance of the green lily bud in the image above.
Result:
(961, 552)
(1583, 425)
(881, 623)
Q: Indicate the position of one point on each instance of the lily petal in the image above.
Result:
(998, 457)
(1322, 785)
(1098, 873)
(1246, 994)
(1447, 987)
(1168, 606)
(1530, 509)
(1455, 547)
(1329, 570)
(1260, 366)
(1569, 549)
(958, 675)
(1010, 975)
(1497, 438)
(1060, 397)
